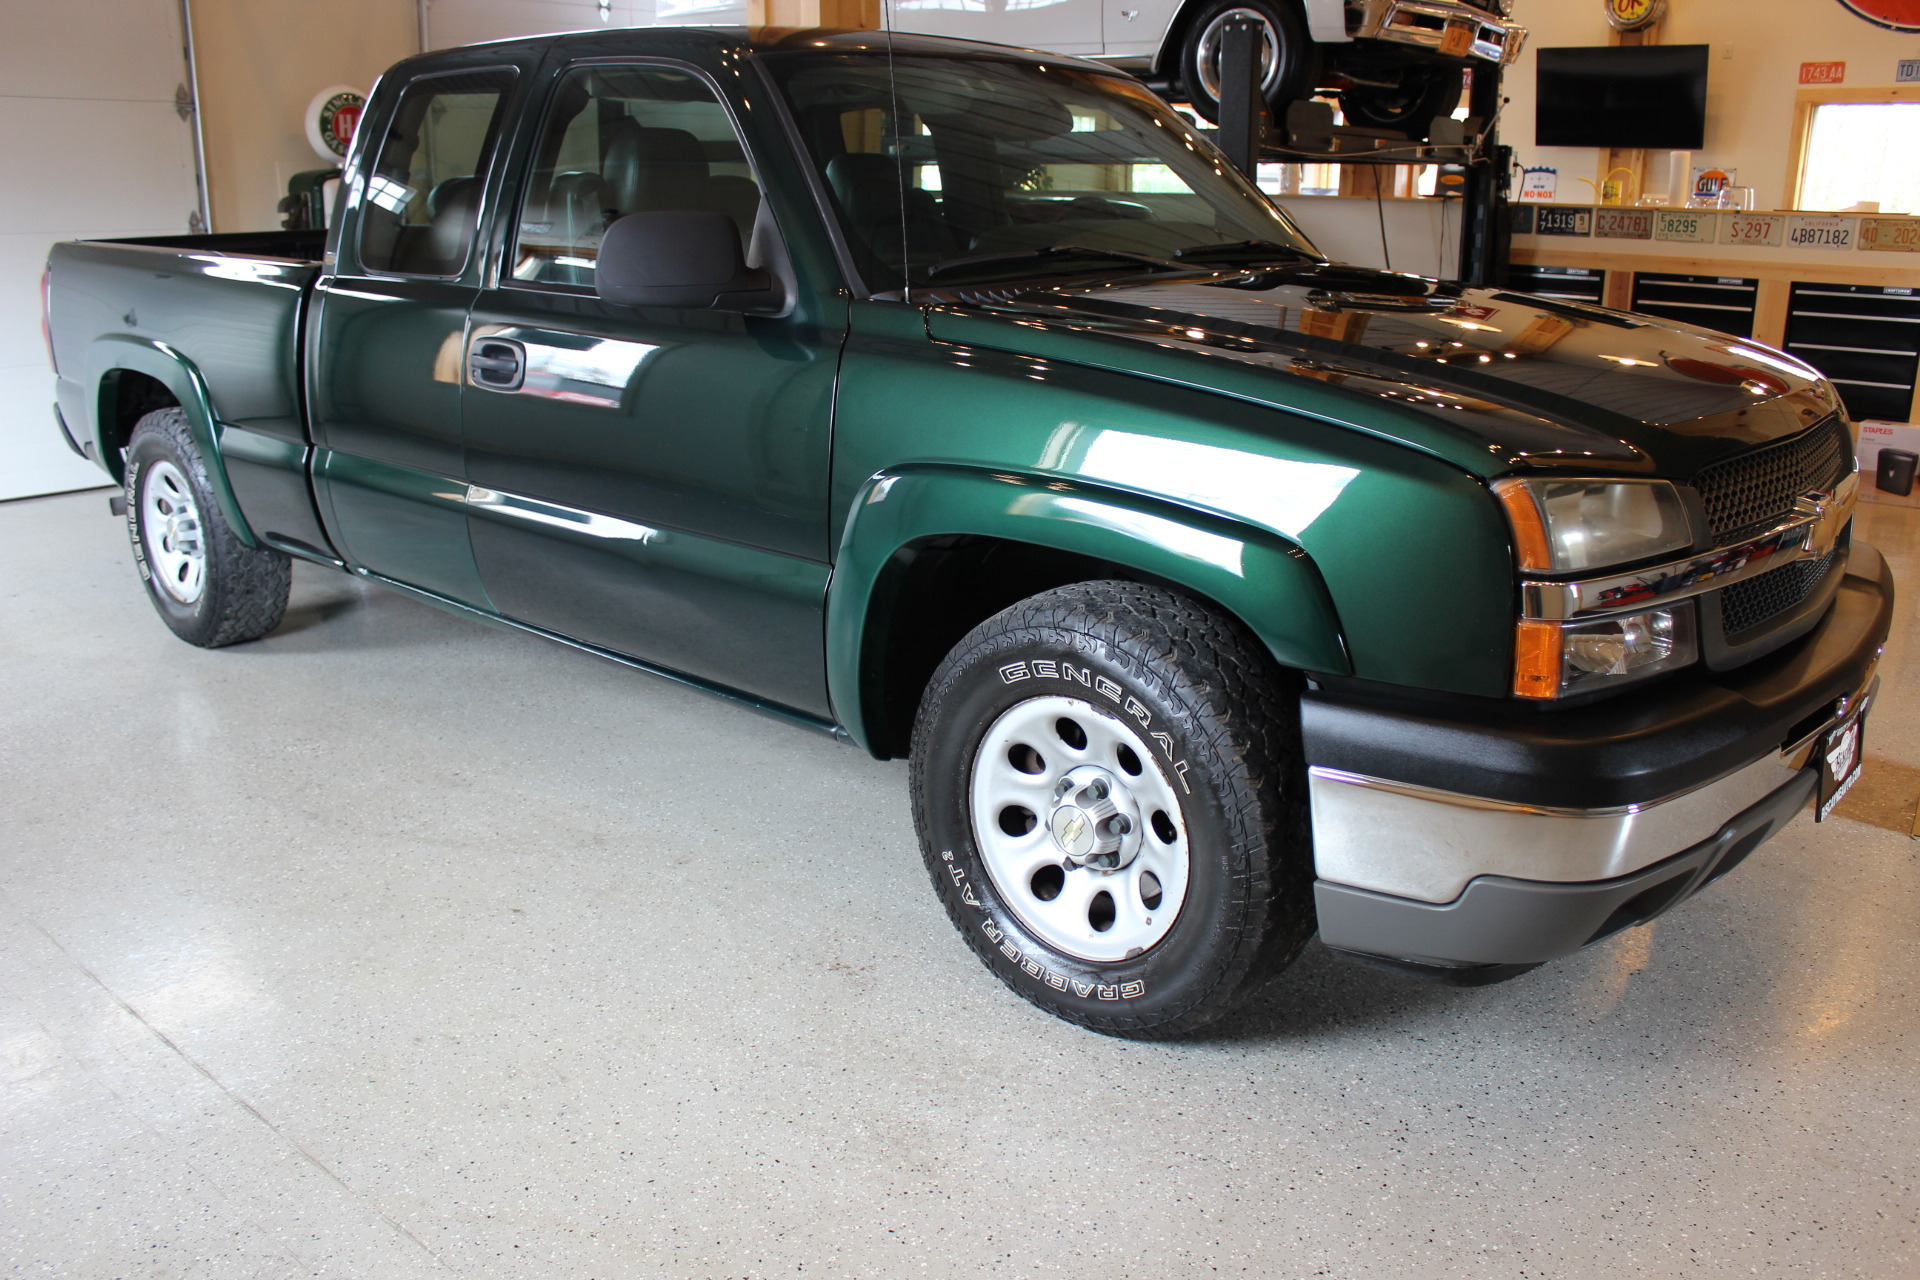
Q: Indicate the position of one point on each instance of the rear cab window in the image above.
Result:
(421, 202)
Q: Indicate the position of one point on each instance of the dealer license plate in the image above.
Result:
(1458, 41)
(1840, 759)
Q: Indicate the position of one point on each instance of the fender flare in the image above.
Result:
(114, 352)
(1267, 581)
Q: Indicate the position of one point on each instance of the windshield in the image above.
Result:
(962, 170)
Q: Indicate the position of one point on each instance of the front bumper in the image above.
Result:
(1444, 27)
(1578, 823)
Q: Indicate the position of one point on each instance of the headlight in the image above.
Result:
(1564, 526)
(1561, 659)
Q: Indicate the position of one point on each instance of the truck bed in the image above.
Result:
(231, 305)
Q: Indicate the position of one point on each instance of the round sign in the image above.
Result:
(332, 117)
(1894, 15)
(1632, 15)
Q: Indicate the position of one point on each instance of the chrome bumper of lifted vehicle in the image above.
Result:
(1478, 887)
(1444, 26)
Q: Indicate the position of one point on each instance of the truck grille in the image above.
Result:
(1748, 604)
(1749, 494)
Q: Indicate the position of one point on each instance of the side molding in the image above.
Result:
(117, 351)
(1269, 583)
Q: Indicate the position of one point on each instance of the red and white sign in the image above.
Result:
(1894, 15)
(332, 118)
(1823, 73)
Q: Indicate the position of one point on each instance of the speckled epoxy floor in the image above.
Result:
(398, 946)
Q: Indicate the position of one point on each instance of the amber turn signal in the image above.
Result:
(1530, 542)
(1537, 659)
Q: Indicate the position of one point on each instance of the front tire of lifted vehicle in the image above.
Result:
(1289, 60)
(1110, 798)
(210, 588)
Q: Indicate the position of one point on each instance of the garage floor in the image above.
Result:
(399, 946)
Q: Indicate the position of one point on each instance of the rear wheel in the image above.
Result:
(1423, 94)
(1106, 784)
(1289, 59)
(207, 585)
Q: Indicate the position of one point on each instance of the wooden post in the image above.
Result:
(1770, 311)
(857, 15)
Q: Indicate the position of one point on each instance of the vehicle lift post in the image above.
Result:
(1246, 132)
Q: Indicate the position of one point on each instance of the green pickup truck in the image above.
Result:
(963, 403)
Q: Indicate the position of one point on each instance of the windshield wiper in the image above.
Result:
(1061, 252)
(1244, 251)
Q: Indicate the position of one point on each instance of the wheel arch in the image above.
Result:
(929, 552)
(133, 376)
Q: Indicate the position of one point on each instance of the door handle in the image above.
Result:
(498, 364)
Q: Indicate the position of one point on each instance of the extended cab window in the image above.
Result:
(422, 197)
(622, 140)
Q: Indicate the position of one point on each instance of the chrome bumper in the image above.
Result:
(1428, 24)
(1426, 845)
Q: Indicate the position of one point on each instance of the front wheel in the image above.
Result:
(1106, 783)
(207, 585)
(1289, 59)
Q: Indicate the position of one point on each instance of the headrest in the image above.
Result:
(651, 169)
(866, 185)
(449, 194)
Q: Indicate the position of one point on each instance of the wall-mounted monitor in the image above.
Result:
(1649, 95)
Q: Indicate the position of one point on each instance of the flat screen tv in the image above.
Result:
(1650, 95)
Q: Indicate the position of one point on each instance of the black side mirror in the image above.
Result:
(679, 258)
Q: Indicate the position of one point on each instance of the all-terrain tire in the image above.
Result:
(209, 587)
(1177, 715)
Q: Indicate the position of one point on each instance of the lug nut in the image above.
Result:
(1118, 825)
(1096, 790)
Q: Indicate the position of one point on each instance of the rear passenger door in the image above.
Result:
(384, 340)
(651, 480)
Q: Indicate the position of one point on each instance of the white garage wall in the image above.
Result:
(91, 146)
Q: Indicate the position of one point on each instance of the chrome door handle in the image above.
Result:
(498, 364)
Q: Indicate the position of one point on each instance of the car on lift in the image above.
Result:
(1395, 65)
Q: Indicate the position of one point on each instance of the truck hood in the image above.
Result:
(1499, 380)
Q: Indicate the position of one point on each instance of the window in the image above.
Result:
(1861, 151)
(422, 197)
(622, 140)
(954, 170)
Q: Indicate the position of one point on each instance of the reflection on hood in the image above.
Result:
(1542, 379)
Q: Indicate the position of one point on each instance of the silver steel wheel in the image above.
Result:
(170, 532)
(1207, 52)
(1080, 828)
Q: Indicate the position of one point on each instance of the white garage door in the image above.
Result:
(456, 22)
(91, 145)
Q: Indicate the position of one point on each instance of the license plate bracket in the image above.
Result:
(1840, 755)
(1458, 40)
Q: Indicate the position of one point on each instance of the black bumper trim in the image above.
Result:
(1634, 748)
(1502, 923)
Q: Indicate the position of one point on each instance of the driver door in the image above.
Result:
(651, 481)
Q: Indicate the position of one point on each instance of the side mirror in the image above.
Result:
(679, 258)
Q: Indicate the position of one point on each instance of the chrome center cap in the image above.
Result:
(1095, 822)
(183, 534)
